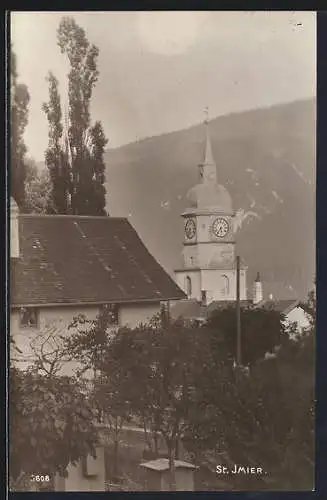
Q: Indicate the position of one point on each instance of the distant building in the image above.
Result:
(208, 269)
(290, 309)
(63, 266)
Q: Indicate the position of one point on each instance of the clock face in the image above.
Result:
(190, 229)
(220, 227)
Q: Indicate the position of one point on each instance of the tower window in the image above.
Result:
(225, 286)
(188, 286)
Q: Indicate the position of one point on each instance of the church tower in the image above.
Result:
(208, 270)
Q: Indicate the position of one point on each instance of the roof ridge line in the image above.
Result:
(59, 216)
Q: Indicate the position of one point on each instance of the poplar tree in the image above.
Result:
(75, 153)
(56, 157)
(19, 119)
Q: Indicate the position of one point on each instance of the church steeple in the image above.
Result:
(208, 169)
(207, 272)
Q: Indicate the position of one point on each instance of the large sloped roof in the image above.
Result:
(76, 259)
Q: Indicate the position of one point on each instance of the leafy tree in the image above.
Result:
(166, 375)
(310, 307)
(51, 423)
(92, 345)
(38, 190)
(263, 418)
(261, 331)
(19, 118)
(56, 156)
(86, 143)
(52, 416)
(147, 372)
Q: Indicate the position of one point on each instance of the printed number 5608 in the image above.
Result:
(40, 479)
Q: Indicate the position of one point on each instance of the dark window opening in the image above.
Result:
(188, 286)
(225, 286)
(28, 317)
(113, 313)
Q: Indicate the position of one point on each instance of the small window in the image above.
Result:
(28, 317)
(204, 297)
(113, 312)
(188, 286)
(225, 286)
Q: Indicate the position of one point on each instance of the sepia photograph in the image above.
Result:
(161, 209)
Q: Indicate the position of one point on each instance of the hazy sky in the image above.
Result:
(158, 70)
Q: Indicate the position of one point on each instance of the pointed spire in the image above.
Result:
(208, 156)
(207, 169)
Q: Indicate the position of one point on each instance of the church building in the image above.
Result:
(208, 270)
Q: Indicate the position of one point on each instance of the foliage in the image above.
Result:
(261, 332)
(51, 423)
(179, 379)
(262, 418)
(91, 344)
(310, 307)
(19, 118)
(75, 152)
(56, 156)
(51, 414)
(75, 158)
(38, 190)
(147, 371)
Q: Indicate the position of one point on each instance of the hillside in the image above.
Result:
(265, 157)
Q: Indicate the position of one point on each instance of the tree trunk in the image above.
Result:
(172, 475)
(146, 435)
(177, 449)
(155, 440)
(116, 450)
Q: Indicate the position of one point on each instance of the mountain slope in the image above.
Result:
(266, 158)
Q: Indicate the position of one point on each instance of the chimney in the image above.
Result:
(14, 229)
(257, 290)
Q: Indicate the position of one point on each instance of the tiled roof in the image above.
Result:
(192, 309)
(162, 464)
(221, 304)
(282, 306)
(76, 259)
(188, 309)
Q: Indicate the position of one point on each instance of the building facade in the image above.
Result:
(66, 266)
